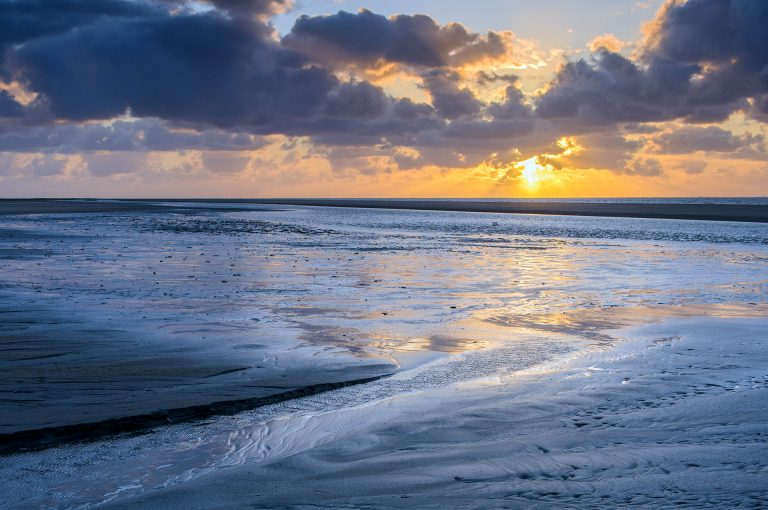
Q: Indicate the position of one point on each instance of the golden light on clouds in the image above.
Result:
(568, 145)
(607, 42)
(544, 168)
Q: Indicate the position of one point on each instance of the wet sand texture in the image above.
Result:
(677, 422)
(64, 381)
(108, 316)
(38, 439)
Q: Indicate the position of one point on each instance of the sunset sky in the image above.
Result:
(489, 98)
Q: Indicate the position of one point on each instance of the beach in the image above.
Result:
(226, 354)
(289, 255)
(671, 417)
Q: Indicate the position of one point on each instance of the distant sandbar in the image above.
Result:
(714, 212)
(679, 211)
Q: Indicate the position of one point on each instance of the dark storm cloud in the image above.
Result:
(448, 97)
(357, 99)
(613, 89)
(610, 89)
(137, 135)
(719, 31)
(207, 69)
(703, 60)
(514, 105)
(198, 68)
(406, 108)
(498, 130)
(367, 38)
(22, 20)
(258, 7)
(9, 107)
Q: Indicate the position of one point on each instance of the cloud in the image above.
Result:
(693, 167)
(225, 162)
(115, 163)
(253, 7)
(604, 150)
(367, 39)
(149, 134)
(708, 139)
(36, 165)
(701, 61)
(203, 69)
(9, 107)
(357, 99)
(214, 75)
(649, 167)
(613, 89)
(21, 21)
(607, 42)
(485, 78)
(198, 68)
(514, 105)
(449, 99)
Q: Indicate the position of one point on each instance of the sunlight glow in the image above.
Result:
(568, 146)
(541, 170)
(530, 171)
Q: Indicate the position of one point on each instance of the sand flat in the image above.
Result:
(122, 314)
(675, 416)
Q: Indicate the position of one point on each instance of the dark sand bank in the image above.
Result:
(48, 437)
(46, 206)
(714, 212)
(680, 211)
(70, 206)
(63, 379)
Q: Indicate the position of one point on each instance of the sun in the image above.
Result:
(530, 171)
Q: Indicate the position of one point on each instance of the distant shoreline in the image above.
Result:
(693, 211)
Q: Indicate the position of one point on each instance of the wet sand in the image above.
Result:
(673, 417)
(153, 318)
(65, 380)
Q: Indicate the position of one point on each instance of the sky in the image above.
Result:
(342, 98)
